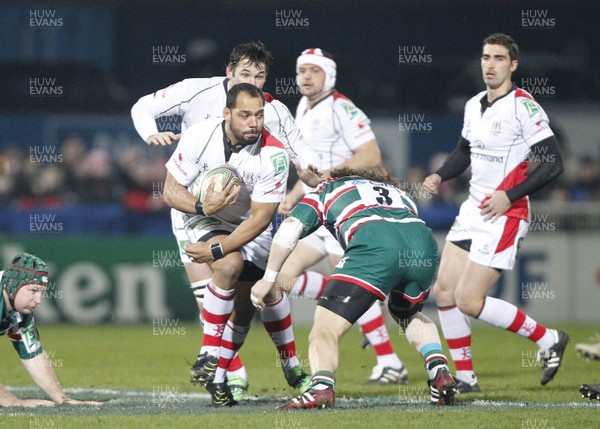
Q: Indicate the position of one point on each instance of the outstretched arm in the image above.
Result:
(7, 399)
(283, 243)
(41, 371)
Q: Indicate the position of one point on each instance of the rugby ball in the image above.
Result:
(221, 175)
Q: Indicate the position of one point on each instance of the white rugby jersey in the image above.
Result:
(500, 141)
(263, 167)
(204, 98)
(333, 127)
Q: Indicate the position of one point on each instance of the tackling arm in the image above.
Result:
(284, 243)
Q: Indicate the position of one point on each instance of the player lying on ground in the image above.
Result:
(388, 252)
(23, 285)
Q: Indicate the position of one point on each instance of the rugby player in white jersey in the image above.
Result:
(341, 135)
(503, 128)
(198, 99)
(231, 231)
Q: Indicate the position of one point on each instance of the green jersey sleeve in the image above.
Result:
(25, 338)
(309, 211)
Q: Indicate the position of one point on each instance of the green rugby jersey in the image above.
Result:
(20, 329)
(345, 203)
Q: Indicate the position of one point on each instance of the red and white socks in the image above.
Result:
(507, 316)
(277, 320)
(218, 306)
(373, 326)
(309, 284)
(457, 331)
(232, 340)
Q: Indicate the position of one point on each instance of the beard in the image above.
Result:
(243, 138)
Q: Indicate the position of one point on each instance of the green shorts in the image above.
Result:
(385, 256)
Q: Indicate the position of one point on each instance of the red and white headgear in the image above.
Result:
(322, 59)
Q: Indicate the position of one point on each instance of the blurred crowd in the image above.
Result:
(33, 177)
(73, 173)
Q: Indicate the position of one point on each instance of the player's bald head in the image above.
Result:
(243, 88)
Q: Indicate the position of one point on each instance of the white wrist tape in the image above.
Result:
(270, 275)
(288, 233)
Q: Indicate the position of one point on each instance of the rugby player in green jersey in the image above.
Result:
(388, 251)
(23, 284)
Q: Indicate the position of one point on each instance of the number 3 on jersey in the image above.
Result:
(384, 195)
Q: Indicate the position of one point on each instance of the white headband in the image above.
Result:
(326, 63)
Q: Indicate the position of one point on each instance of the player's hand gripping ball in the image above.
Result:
(221, 175)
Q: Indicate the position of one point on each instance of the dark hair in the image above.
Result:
(503, 40)
(377, 174)
(251, 90)
(255, 52)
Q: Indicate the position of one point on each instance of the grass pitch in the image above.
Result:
(141, 372)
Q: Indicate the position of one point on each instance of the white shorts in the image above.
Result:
(178, 226)
(322, 241)
(188, 229)
(492, 244)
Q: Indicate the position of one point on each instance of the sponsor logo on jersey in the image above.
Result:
(531, 106)
(30, 341)
(488, 158)
(279, 163)
(178, 165)
(279, 189)
(351, 110)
